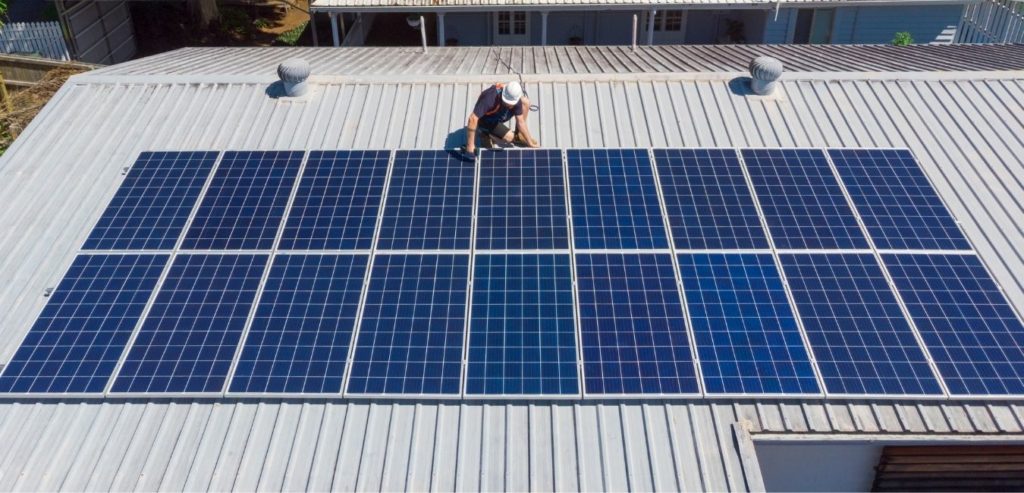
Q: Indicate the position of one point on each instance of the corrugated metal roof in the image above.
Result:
(432, 5)
(393, 446)
(58, 176)
(579, 60)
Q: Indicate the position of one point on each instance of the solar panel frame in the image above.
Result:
(660, 339)
(972, 331)
(163, 172)
(401, 209)
(55, 304)
(894, 332)
(537, 210)
(871, 209)
(726, 213)
(726, 290)
(321, 340)
(385, 301)
(502, 311)
(217, 221)
(786, 221)
(637, 185)
(176, 301)
(329, 180)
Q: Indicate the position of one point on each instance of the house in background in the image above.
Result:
(621, 22)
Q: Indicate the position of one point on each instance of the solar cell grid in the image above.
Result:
(153, 203)
(745, 332)
(76, 342)
(337, 201)
(860, 338)
(707, 199)
(429, 203)
(967, 324)
(522, 335)
(522, 201)
(896, 201)
(614, 199)
(189, 337)
(246, 199)
(410, 336)
(299, 338)
(802, 201)
(632, 326)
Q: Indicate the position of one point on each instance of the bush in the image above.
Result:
(291, 36)
(902, 38)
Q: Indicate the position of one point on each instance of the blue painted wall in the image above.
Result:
(872, 25)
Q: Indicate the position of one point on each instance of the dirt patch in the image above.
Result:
(25, 104)
(165, 26)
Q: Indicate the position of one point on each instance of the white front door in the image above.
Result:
(511, 28)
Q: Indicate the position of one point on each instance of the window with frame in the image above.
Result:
(668, 20)
(511, 23)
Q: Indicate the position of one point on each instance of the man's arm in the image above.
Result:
(471, 133)
(521, 126)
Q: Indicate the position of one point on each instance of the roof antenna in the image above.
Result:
(533, 107)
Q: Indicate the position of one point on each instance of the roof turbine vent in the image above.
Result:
(764, 72)
(293, 73)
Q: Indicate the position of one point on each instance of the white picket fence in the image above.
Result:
(45, 39)
(992, 21)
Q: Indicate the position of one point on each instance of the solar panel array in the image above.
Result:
(584, 272)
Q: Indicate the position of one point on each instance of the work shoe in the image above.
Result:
(486, 142)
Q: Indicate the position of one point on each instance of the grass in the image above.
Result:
(291, 36)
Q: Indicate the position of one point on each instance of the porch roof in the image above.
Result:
(483, 5)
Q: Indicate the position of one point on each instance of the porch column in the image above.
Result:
(650, 27)
(544, 28)
(312, 25)
(334, 29)
(440, 29)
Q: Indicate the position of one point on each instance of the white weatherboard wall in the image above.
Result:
(877, 25)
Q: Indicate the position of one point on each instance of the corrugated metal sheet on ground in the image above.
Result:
(456, 61)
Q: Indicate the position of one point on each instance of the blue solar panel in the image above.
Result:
(522, 201)
(522, 335)
(708, 201)
(860, 338)
(971, 331)
(245, 202)
(153, 203)
(632, 325)
(190, 335)
(429, 203)
(802, 200)
(299, 338)
(77, 340)
(614, 199)
(746, 335)
(335, 207)
(410, 337)
(899, 206)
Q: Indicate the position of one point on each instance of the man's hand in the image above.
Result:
(534, 143)
(470, 149)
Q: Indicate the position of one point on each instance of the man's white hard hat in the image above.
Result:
(512, 92)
